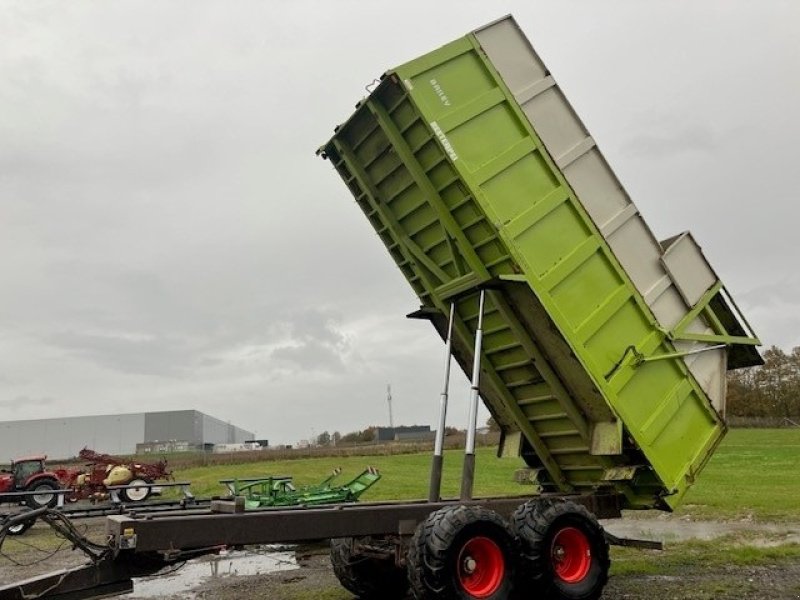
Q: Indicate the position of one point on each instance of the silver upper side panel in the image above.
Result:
(672, 278)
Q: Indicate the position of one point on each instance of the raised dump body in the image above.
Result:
(604, 350)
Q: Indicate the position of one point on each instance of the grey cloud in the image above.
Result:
(317, 325)
(312, 355)
(131, 355)
(682, 139)
(775, 294)
(316, 343)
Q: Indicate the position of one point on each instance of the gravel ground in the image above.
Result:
(311, 576)
(731, 583)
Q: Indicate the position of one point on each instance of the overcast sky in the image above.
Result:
(168, 239)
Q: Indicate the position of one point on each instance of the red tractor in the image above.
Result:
(29, 474)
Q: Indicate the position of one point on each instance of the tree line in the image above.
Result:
(771, 390)
(354, 437)
(361, 436)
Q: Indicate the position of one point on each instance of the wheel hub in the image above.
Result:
(481, 567)
(571, 555)
(469, 565)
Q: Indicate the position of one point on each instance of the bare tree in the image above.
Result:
(772, 390)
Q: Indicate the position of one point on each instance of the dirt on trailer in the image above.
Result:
(703, 560)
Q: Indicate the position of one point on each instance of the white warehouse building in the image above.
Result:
(61, 438)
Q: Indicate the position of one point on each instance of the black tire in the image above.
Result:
(20, 528)
(368, 577)
(462, 553)
(42, 498)
(564, 548)
(134, 494)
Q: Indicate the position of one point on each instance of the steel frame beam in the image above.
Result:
(168, 533)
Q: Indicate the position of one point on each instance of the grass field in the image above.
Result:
(405, 476)
(754, 474)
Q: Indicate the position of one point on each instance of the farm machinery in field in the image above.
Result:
(29, 474)
(250, 493)
(103, 471)
(30, 481)
(280, 491)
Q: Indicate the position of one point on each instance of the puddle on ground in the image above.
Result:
(680, 530)
(230, 564)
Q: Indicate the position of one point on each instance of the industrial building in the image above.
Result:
(62, 438)
(404, 433)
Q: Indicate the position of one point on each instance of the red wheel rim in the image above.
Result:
(481, 567)
(571, 555)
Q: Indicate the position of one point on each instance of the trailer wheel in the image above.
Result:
(462, 553)
(367, 576)
(20, 528)
(43, 496)
(136, 494)
(564, 549)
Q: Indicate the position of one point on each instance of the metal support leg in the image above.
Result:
(434, 492)
(468, 474)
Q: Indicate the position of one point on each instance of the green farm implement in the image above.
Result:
(280, 491)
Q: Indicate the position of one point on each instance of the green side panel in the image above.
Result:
(460, 189)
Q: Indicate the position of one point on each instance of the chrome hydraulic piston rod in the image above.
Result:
(468, 474)
(434, 492)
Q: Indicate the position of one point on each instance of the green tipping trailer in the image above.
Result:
(604, 350)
